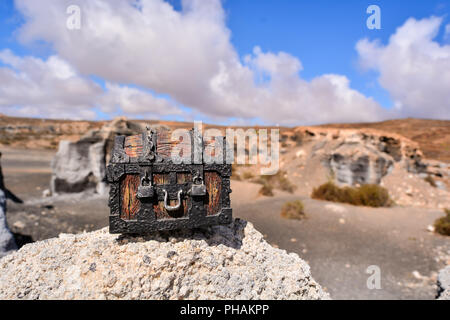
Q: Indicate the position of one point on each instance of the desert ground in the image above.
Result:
(338, 241)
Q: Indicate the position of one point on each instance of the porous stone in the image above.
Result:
(219, 262)
(444, 284)
(7, 242)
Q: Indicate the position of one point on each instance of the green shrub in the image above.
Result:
(293, 210)
(371, 195)
(442, 225)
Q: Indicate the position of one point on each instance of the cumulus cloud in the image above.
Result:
(52, 88)
(413, 67)
(188, 55)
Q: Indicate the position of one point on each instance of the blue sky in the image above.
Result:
(321, 34)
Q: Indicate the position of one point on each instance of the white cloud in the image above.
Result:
(413, 68)
(135, 101)
(52, 88)
(447, 32)
(188, 55)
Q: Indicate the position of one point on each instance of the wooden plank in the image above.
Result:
(161, 178)
(213, 183)
(130, 204)
(161, 213)
(183, 177)
(133, 146)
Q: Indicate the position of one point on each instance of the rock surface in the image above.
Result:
(80, 166)
(7, 242)
(311, 156)
(444, 284)
(220, 262)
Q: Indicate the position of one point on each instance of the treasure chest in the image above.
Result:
(151, 189)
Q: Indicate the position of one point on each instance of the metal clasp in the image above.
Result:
(177, 206)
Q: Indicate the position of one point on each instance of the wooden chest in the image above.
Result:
(150, 191)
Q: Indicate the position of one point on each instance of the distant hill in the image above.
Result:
(433, 136)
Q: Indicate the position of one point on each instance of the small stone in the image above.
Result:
(170, 254)
(146, 259)
(93, 267)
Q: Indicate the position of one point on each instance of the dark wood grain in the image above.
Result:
(130, 203)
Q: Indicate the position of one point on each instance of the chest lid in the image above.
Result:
(164, 146)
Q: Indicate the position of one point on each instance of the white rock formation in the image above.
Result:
(7, 242)
(221, 262)
(80, 166)
(444, 284)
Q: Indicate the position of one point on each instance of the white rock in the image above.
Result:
(220, 262)
(335, 208)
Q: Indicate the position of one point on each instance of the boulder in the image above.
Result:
(220, 262)
(7, 242)
(80, 166)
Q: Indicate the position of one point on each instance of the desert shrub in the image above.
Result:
(293, 210)
(234, 174)
(431, 181)
(266, 190)
(247, 175)
(442, 225)
(278, 180)
(371, 195)
(328, 191)
(286, 185)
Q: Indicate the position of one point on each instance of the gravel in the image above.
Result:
(220, 262)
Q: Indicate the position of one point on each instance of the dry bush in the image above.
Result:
(247, 175)
(234, 174)
(431, 181)
(285, 184)
(293, 210)
(442, 225)
(371, 195)
(278, 180)
(266, 190)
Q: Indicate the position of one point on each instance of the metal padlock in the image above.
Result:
(198, 187)
(145, 190)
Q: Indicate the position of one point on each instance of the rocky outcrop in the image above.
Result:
(312, 156)
(444, 284)
(220, 262)
(7, 242)
(360, 157)
(80, 166)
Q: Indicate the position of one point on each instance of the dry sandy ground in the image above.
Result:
(338, 241)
